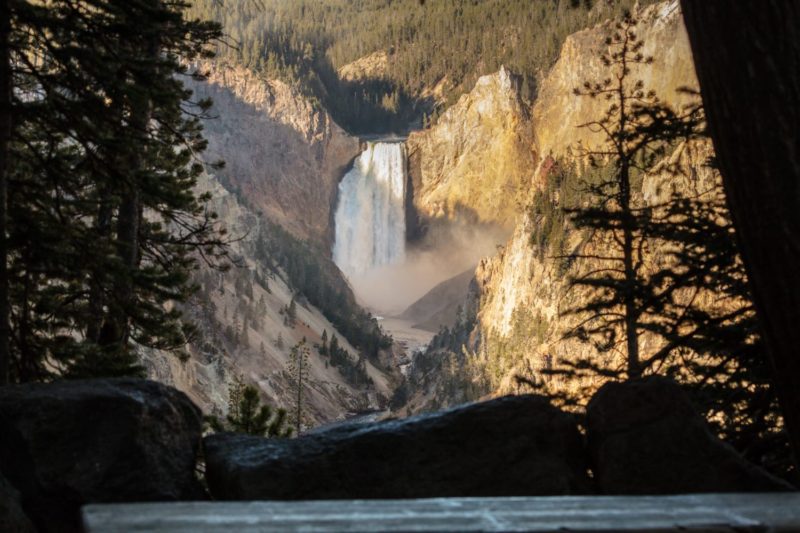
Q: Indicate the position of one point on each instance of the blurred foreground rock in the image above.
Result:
(69, 443)
(516, 445)
(12, 517)
(646, 438)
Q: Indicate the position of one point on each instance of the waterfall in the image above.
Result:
(370, 217)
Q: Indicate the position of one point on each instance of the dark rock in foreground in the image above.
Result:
(73, 442)
(12, 517)
(517, 445)
(646, 438)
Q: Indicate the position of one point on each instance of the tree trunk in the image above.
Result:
(5, 141)
(128, 249)
(97, 297)
(117, 331)
(747, 56)
(299, 389)
(631, 281)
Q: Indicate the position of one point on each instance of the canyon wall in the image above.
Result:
(244, 331)
(558, 113)
(557, 116)
(282, 153)
(476, 164)
(513, 323)
(284, 157)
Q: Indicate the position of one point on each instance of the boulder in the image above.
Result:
(645, 437)
(69, 443)
(516, 445)
(12, 517)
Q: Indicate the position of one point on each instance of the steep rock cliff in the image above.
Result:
(513, 324)
(370, 67)
(510, 278)
(243, 332)
(477, 163)
(523, 294)
(283, 159)
(557, 113)
(281, 152)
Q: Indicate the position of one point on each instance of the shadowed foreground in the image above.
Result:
(708, 512)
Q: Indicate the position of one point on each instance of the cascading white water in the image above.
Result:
(370, 218)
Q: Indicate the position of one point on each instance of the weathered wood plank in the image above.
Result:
(707, 512)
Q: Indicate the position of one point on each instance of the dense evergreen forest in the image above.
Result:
(441, 42)
(100, 224)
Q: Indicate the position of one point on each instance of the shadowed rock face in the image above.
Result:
(69, 443)
(646, 438)
(439, 306)
(282, 154)
(516, 445)
(206, 375)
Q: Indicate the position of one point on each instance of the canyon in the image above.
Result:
(470, 253)
(427, 232)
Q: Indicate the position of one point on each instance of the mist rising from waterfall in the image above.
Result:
(445, 251)
(370, 217)
(370, 241)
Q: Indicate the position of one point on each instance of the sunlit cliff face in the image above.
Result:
(370, 235)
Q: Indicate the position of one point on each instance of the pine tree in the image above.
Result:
(637, 129)
(291, 313)
(298, 367)
(334, 346)
(323, 350)
(244, 337)
(668, 270)
(246, 414)
(230, 334)
(105, 142)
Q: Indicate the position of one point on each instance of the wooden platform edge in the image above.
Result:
(774, 512)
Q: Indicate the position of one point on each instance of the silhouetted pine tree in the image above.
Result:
(668, 270)
(637, 130)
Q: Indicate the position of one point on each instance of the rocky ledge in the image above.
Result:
(646, 438)
(67, 444)
(517, 445)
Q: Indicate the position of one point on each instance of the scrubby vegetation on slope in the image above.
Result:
(317, 280)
